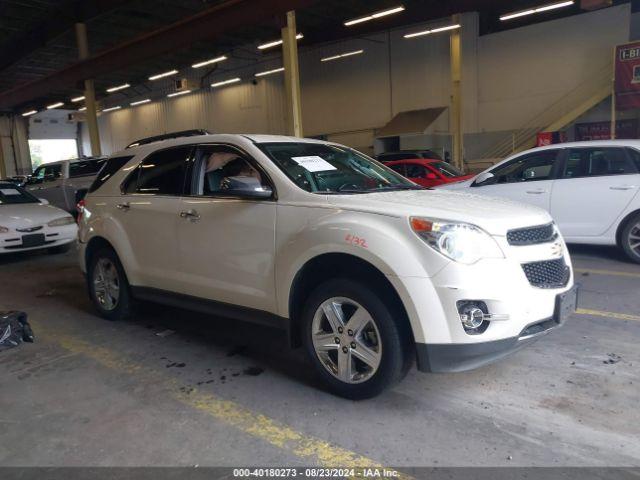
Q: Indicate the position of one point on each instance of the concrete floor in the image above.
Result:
(91, 392)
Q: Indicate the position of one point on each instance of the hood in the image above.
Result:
(459, 184)
(494, 215)
(26, 215)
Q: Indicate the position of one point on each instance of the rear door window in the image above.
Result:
(161, 173)
(416, 171)
(400, 168)
(597, 162)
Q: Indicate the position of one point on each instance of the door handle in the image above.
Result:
(191, 215)
(623, 187)
(123, 206)
(536, 192)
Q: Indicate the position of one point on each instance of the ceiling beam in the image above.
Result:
(206, 25)
(56, 24)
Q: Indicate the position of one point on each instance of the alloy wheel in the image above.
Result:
(346, 340)
(634, 239)
(106, 284)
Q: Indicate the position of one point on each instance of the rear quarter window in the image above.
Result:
(109, 168)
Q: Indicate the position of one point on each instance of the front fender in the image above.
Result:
(385, 242)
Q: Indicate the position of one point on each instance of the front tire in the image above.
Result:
(630, 239)
(356, 341)
(108, 285)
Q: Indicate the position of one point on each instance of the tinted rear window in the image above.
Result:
(85, 167)
(109, 168)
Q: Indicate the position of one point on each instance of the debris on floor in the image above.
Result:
(613, 359)
(165, 333)
(14, 329)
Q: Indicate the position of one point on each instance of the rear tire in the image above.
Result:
(108, 285)
(364, 348)
(630, 239)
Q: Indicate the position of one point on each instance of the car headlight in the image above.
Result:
(461, 242)
(3, 229)
(61, 222)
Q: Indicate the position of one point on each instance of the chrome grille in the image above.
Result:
(547, 274)
(532, 235)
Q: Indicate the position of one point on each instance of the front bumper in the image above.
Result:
(12, 242)
(460, 357)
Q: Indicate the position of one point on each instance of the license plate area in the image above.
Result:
(566, 304)
(34, 240)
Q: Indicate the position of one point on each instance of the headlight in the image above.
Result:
(461, 242)
(61, 222)
(3, 229)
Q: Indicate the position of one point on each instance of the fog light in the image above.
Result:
(472, 317)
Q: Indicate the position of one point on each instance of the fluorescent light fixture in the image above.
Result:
(30, 112)
(77, 99)
(373, 16)
(111, 109)
(544, 8)
(342, 55)
(433, 30)
(55, 105)
(269, 72)
(175, 94)
(226, 82)
(140, 102)
(275, 43)
(119, 87)
(162, 75)
(209, 62)
(82, 109)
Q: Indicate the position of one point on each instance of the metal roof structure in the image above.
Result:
(37, 37)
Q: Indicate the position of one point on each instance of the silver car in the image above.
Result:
(64, 183)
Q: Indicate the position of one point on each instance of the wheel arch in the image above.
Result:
(338, 265)
(623, 224)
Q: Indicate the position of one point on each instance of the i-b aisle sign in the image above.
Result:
(627, 76)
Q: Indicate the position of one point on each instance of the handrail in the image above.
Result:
(565, 104)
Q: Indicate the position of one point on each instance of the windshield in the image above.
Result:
(12, 194)
(323, 168)
(446, 169)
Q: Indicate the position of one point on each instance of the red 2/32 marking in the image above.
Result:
(356, 241)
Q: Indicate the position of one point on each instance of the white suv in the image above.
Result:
(362, 266)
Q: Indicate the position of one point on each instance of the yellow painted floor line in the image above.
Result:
(312, 450)
(598, 313)
(607, 272)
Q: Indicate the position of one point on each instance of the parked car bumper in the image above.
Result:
(12, 242)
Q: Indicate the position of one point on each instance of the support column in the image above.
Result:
(455, 110)
(292, 76)
(89, 92)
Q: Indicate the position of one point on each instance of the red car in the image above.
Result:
(427, 172)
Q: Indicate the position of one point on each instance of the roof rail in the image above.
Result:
(167, 136)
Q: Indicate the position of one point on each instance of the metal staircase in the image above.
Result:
(567, 109)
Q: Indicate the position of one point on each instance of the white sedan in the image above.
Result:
(590, 189)
(28, 223)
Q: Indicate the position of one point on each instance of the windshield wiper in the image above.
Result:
(398, 187)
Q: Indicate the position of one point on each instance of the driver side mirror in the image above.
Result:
(44, 201)
(431, 176)
(246, 187)
(483, 178)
